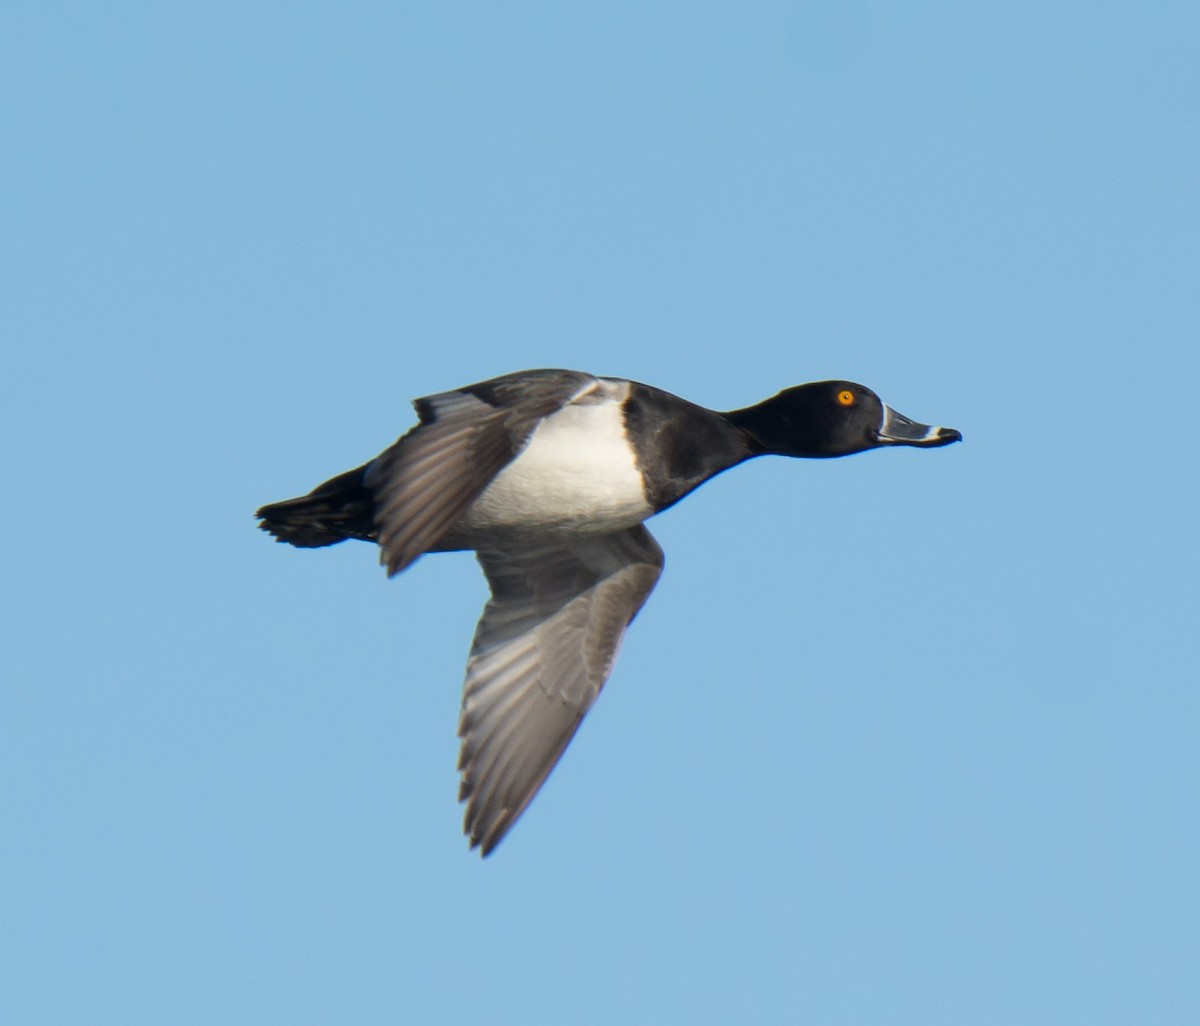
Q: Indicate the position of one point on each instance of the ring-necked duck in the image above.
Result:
(547, 475)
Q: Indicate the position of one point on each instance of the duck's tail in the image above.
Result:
(343, 507)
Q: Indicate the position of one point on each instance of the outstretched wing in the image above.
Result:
(543, 649)
(426, 481)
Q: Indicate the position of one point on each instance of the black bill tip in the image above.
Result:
(944, 436)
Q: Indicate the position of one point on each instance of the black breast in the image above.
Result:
(678, 444)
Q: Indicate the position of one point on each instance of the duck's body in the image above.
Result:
(548, 476)
(575, 472)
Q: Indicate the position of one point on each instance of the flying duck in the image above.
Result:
(547, 475)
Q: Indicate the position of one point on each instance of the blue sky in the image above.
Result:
(908, 737)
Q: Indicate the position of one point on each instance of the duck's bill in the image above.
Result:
(897, 429)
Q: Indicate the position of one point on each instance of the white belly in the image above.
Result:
(576, 472)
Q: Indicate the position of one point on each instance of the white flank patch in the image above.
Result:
(576, 472)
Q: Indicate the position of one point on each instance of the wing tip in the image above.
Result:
(486, 840)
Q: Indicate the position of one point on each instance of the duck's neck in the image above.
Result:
(778, 427)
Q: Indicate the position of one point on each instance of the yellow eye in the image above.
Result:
(846, 397)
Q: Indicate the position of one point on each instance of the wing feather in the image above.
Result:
(542, 651)
(426, 481)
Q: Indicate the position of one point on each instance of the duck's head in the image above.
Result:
(833, 418)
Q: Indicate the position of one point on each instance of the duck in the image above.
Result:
(548, 477)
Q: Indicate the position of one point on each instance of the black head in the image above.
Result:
(833, 418)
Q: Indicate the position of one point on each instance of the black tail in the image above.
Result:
(343, 507)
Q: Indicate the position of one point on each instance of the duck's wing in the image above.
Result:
(425, 481)
(542, 651)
